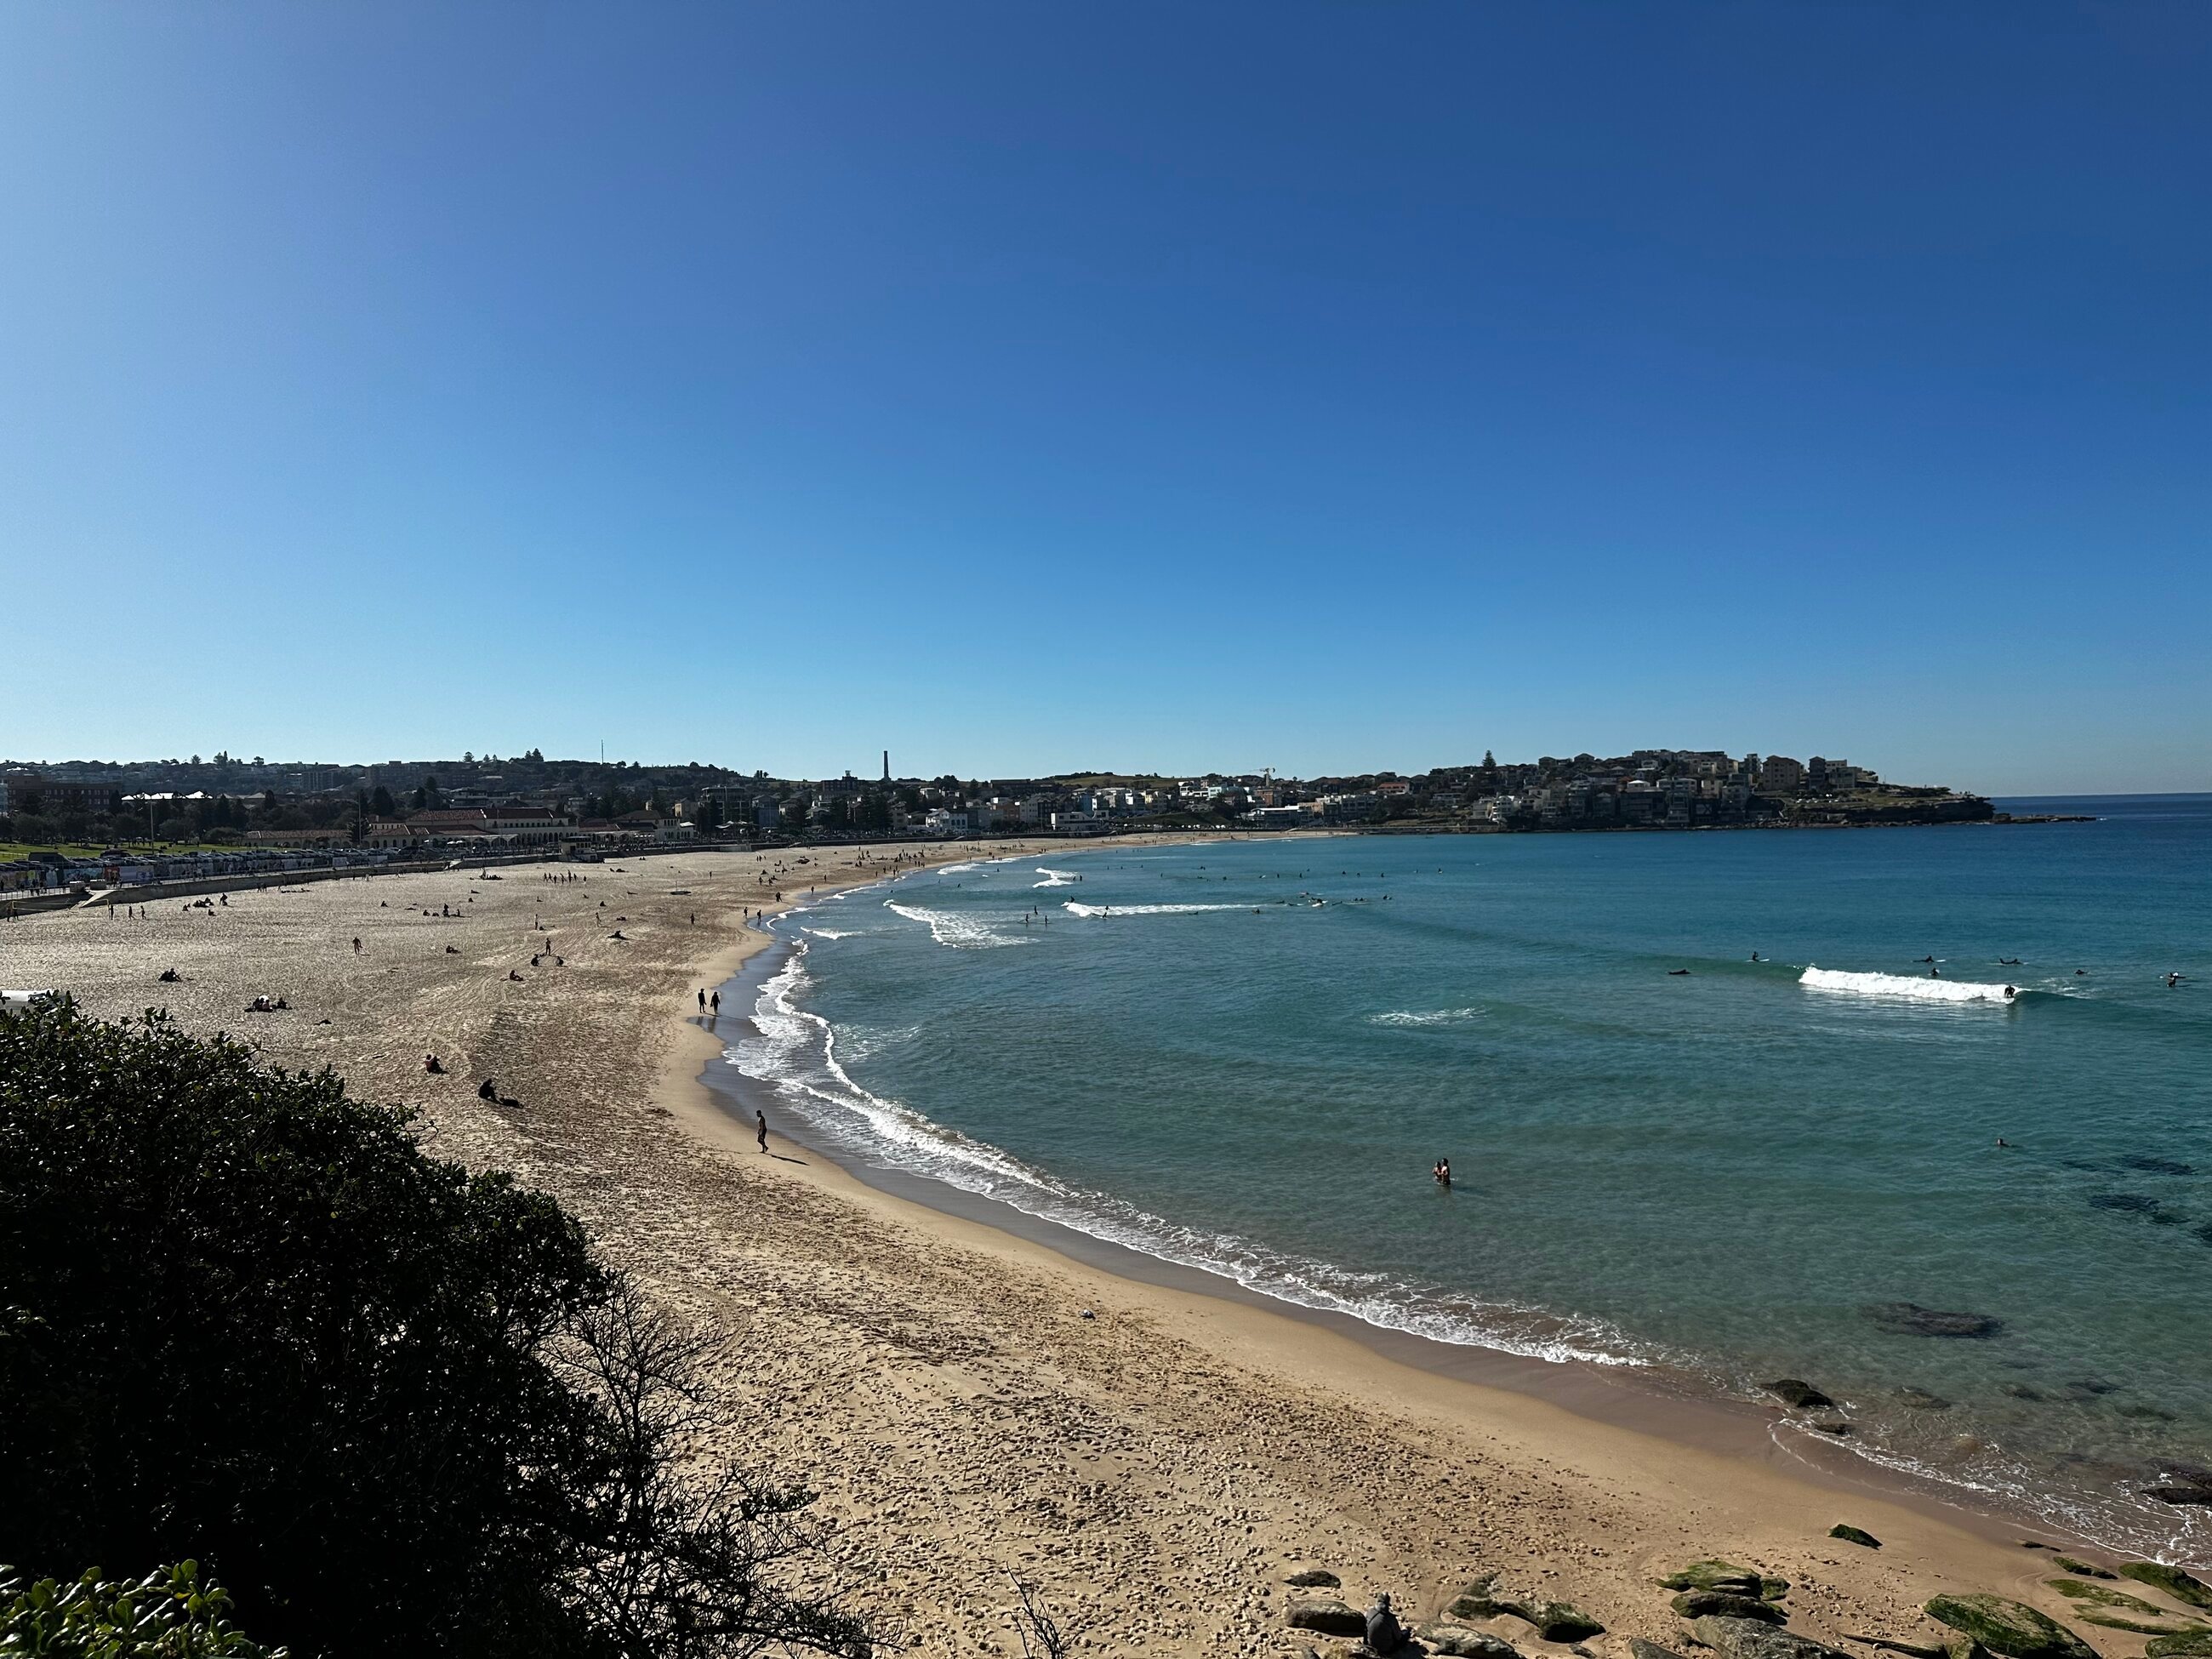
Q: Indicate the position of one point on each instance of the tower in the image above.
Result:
(887, 766)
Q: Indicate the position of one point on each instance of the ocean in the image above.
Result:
(1247, 1057)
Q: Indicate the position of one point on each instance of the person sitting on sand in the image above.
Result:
(512, 975)
(432, 1065)
(171, 977)
(617, 934)
(486, 1091)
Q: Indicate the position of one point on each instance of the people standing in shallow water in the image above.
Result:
(1442, 1172)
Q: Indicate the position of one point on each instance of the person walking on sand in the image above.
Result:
(703, 1002)
(761, 1118)
(715, 1003)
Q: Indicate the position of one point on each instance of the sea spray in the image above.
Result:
(1907, 986)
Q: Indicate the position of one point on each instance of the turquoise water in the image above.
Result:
(1247, 1056)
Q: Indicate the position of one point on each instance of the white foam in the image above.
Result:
(1075, 909)
(1430, 1016)
(829, 933)
(1052, 878)
(960, 933)
(797, 1051)
(1905, 985)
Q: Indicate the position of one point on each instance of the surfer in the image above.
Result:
(1935, 972)
(1676, 973)
(2172, 980)
(1928, 958)
(2010, 994)
(1754, 955)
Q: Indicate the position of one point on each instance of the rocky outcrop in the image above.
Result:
(1852, 1534)
(2005, 1626)
(1314, 1578)
(1726, 1575)
(2096, 1595)
(1697, 1604)
(1640, 1649)
(1557, 1621)
(1460, 1643)
(2182, 1586)
(1748, 1639)
(2196, 1645)
(1796, 1393)
(1328, 1615)
(2081, 1569)
(1910, 1319)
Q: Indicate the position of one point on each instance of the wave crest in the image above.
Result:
(1905, 986)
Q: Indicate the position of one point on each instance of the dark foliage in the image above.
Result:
(397, 1405)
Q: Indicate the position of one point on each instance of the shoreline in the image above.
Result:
(1682, 1410)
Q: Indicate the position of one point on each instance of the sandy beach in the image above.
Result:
(978, 1408)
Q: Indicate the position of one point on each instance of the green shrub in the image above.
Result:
(169, 1615)
(397, 1405)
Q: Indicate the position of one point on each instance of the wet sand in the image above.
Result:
(1155, 1468)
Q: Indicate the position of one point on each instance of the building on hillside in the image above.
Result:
(1780, 775)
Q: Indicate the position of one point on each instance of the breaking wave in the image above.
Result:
(1075, 909)
(1431, 1017)
(796, 1053)
(1906, 987)
(1054, 877)
(960, 933)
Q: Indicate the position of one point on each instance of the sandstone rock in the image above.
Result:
(2008, 1628)
(1718, 1575)
(1460, 1643)
(2180, 1585)
(1640, 1649)
(2096, 1595)
(1796, 1393)
(1314, 1578)
(2195, 1644)
(2180, 1494)
(1852, 1534)
(2082, 1569)
(1476, 1601)
(1558, 1621)
(1748, 1638)
(1328, 1615)
(1696, 1604)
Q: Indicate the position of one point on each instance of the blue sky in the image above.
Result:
(1032, 387)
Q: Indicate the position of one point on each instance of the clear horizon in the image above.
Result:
(1304, 387)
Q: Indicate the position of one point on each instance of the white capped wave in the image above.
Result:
(797, 1051)
(1426, 1018)
(1905, 985)
(1052, 878)
(1075, 909)
(955, 869)
(830, 932)
(960, 933)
